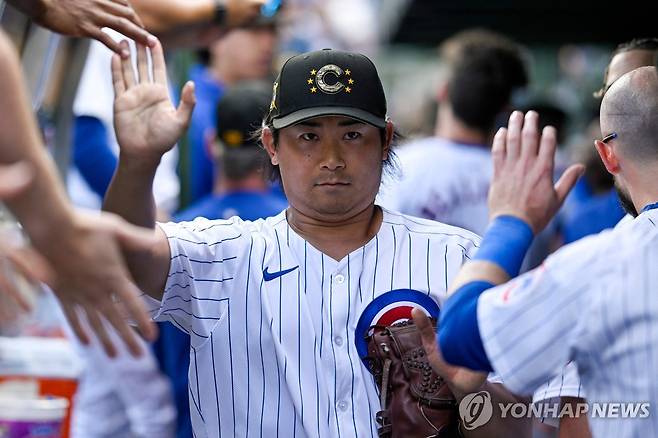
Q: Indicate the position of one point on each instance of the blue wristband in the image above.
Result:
(505, 243)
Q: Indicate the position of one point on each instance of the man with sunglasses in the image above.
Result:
(590, 302)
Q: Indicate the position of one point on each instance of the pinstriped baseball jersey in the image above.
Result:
(594, 303)
(272, 320)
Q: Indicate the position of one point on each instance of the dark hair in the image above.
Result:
(650, 44)
(485, 69)
(389, 166)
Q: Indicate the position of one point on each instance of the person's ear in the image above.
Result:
(210, 143)
(390, 130)
(608, 156)
(267, 138)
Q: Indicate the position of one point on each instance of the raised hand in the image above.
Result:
(522, 183)
(146, 122)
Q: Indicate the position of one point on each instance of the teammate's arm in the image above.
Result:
(522, 200)
(83, 251)
(147, 125)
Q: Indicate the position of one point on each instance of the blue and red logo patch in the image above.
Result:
(389, 308)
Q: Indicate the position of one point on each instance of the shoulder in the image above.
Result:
(432, 229)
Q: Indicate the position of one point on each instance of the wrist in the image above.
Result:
(139, 164)
(506, 242)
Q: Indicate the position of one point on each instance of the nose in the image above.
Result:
(332, 158)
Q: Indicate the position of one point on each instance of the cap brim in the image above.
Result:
(309, 113)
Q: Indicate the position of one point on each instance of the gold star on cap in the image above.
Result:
(350, 81)
(313, 72)
(273, 103)
(309, 81)
(348, 72)
(348, 90)
(313, 89)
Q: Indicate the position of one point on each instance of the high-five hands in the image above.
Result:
(522, 184)
(146, 122)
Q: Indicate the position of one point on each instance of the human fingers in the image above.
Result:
(426, 330)
(97, 33)
(513, 143)
(530, 136)
(117, 76)
(127, 67)
(142, 64)
(129, 294)
(128, 235)
(567, 181)
(547, 147)
(71, 314)
(125, 332)
(498, 150)
(159, 66)
(98, 327)
(186, 105)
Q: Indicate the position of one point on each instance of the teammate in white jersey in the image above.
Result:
(592, 301)
(273, 306)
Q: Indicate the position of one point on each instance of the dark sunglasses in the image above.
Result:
(609, 137)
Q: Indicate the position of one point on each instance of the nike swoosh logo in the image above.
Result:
(268, 276)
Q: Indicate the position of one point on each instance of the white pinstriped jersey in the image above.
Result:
(278, 357)
(594, 303)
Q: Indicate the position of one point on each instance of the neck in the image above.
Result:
(450, 127)
(641, 185)
(253, 182)
(337, 239)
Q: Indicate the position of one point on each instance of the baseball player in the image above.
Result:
(272, 306)
(591, 302)
(438, 179)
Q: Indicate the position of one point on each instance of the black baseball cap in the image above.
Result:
(327, 83)
(239, 114)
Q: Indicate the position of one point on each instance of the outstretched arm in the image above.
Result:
(83, 250)
(147, 125)
(522, 200)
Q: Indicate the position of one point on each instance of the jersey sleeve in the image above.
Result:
(529, 328)
(203, 255)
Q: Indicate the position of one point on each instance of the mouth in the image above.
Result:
(332, 184)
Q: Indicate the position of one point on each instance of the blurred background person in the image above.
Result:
(593, 205)
(446, 177)
(241, 54)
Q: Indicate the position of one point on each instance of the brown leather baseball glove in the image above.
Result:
(415, 401)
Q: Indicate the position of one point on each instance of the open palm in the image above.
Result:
(146, 122)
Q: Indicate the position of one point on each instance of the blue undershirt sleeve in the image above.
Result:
(92, 154)
(459, 334)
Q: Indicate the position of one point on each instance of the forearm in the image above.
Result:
(130, 194)
(43, 206)
(163, 16)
